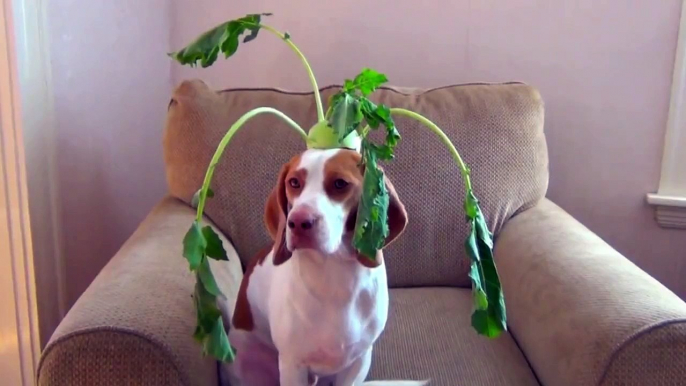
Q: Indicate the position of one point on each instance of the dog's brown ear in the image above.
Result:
(397, 215)
(275, 214)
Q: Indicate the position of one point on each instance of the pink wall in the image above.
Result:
(112, 85)
(603, 67)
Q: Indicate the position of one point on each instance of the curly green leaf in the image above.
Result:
(223, 38)
(366, 82)
(215, 246)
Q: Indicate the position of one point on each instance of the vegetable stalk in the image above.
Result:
(287, 38)
(464, 170)
(225, 141)
(199, 244)
(489, 316)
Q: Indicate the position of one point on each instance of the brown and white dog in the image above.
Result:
(310, 308)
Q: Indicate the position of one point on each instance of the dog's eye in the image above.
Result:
(340, 184)
(294, 183)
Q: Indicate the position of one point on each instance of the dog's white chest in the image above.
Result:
(327, 314)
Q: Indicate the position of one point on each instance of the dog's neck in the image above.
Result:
(334, 277)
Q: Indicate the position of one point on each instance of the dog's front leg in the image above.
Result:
(291, 373)
(356, 373)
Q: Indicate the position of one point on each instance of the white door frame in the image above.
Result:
(19, 340)
(32, 49)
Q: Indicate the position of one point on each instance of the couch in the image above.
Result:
(579, 312)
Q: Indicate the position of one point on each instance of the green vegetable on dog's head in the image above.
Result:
(323, 136)
(349, 118)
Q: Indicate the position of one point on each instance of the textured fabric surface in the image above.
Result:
(582, 313)
(108, 358)
(429, 336)
(134, 324)
(498, 130)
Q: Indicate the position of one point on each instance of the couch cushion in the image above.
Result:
(429, 336)
(497, 128)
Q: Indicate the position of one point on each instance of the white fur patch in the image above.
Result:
(333, 214)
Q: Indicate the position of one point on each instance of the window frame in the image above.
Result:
(670, 198)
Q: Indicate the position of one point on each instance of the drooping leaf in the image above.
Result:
(489, 317)
(194, 245)
(196, 196)
(210, 331)
(207, 278)
(376, 115)
(206, 311)
(215, 246)
(346, 115)
(371, 228)
(222, 38)
(217, 343)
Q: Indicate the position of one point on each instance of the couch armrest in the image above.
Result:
(582, 313)
(134, 323)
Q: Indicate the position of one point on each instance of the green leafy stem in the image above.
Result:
(339, 127)
(489, 316)
(202, 243)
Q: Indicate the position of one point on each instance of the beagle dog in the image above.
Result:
(310, 307)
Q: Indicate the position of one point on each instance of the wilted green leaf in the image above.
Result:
(194, 246)
(222, 38)
(489, 317)
(346, 115)
(210, 331)
(206, 311)
(217, 343)
(207, 278)
(371, 228)
(215, 247)
(380, 115)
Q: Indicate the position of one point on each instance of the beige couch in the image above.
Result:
(579, 312)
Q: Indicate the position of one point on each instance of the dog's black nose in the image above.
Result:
(303, 224)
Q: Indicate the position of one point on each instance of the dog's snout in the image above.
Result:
(302, 220)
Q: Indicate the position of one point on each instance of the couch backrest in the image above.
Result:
(497, 128)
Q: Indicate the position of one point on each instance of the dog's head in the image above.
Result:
(314, 205)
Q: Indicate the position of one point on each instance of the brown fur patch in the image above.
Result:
(277, 207)
(242, 314)
(345, 165)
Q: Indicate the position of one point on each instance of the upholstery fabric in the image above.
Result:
(582, 313)
(134, 324)
(498, 129)
(429, 336)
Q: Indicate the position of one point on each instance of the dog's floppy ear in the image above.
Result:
(275, 214)
(397, 215)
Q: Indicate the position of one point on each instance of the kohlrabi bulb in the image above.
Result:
(322, 136)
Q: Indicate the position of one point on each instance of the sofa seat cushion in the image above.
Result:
(429, 336)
